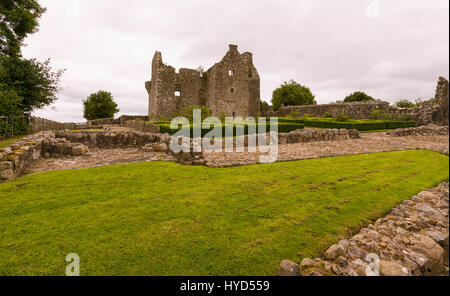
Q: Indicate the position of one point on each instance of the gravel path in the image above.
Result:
(369, 143)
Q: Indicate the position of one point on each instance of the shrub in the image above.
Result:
(99, 105)
(358, 96)
(405, 104)
(308, 115)
(342, 118)
(292, 94)
(294, 114)
(380, 114)
(327, 115)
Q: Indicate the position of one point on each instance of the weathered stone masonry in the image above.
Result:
(434, 111)
(231, 86)
(411, 240)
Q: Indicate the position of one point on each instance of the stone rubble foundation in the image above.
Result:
(20, 155)
(413, 240)
(426, 130)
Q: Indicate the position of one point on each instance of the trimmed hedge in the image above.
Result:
(283, 127)
(360, 125)
(286, 125)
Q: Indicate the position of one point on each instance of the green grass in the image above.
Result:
(162, 218)
(7, 142)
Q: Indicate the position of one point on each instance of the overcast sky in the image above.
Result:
(391, 49)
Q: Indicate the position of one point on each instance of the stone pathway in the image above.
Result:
(369, 143)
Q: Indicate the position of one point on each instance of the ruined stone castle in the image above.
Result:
(231, 87)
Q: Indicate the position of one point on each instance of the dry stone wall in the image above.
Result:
(142, 126)
(17, 157)
(435, 111)
(314, 135)
(38, 124)
(412, 240)
(123, 119)
(110, 139)
(356, 110)
(426, 130)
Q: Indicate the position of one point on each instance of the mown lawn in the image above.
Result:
(163, 218)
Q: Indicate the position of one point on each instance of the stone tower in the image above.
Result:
(230, 87)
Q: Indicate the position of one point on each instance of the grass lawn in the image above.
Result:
(162, 218)
(7, 142)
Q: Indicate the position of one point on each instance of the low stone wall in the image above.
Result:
(121, 120)
(356, 110)
(426, 130)
(435, 111)
(412, 240)
(38, 124)
(110, 139)
(17, 157)
(101, 121)
(125, 118)
(142, 126)
(314, 135)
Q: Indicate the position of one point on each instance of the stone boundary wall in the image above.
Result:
(17, 157)
(110, 121)
(412, 240)
(101, 121)
(142, 126)
(426, 130)
(125, 118)
(38, 124)
(314, 135)
(356, 110)
(434, 111)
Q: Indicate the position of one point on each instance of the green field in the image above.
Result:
(162, 218)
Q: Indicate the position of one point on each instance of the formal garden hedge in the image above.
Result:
(360, 125)
(283, 127)
(287, 124)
